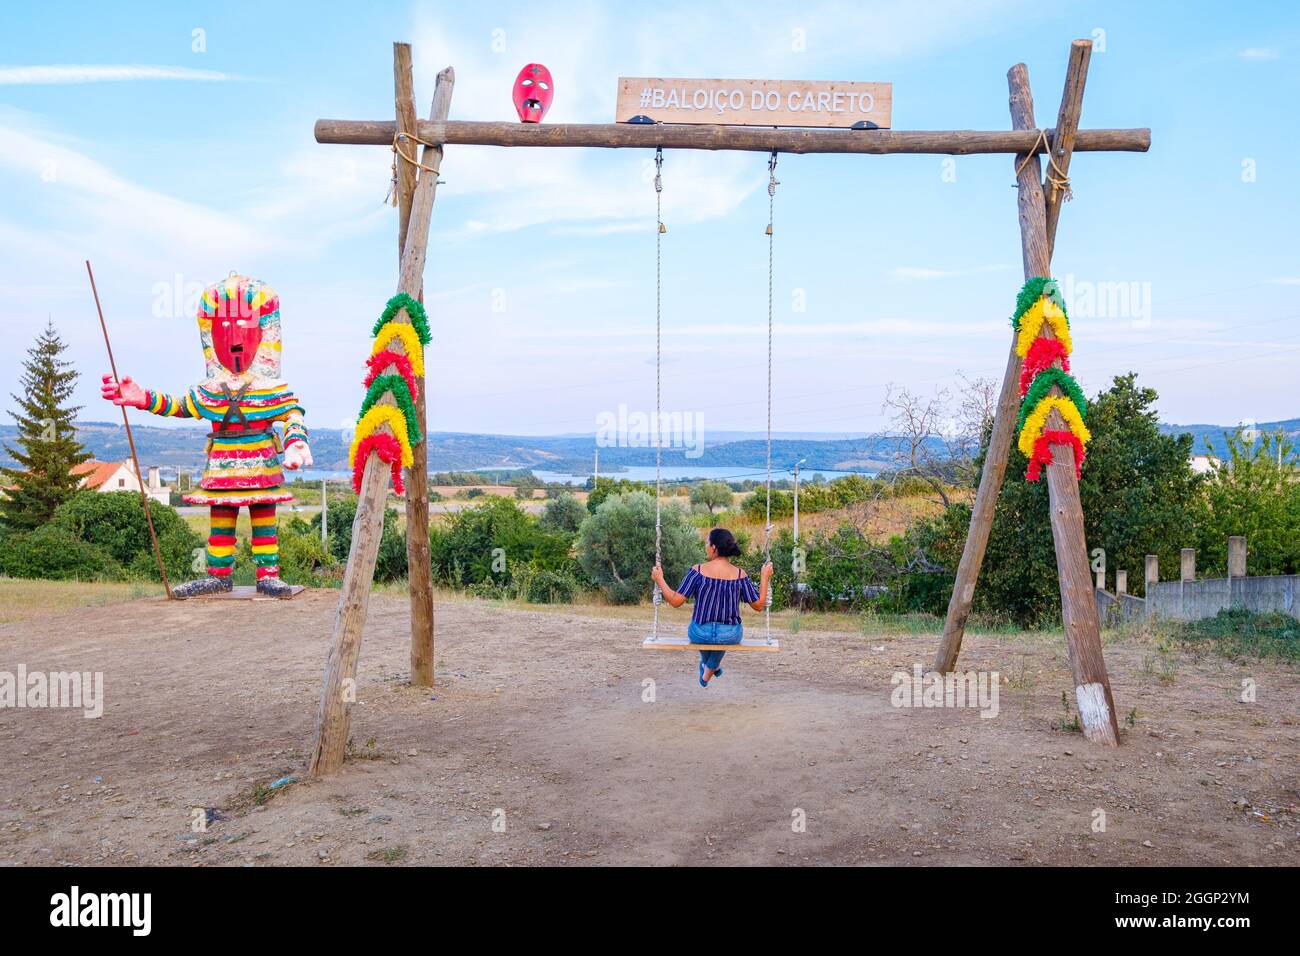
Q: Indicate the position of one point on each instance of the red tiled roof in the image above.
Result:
(98, 472)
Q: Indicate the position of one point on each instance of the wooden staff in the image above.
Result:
(135, 461)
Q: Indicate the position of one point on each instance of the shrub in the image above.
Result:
(115, 523)
(57, 554)
(490, 542)
(564, 514)
(616, 546)
(340, 513)
(552, 587)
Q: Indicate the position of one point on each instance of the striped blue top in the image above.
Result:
(717, 601)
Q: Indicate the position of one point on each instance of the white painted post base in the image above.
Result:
(1094, 714)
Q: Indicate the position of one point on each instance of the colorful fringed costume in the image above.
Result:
(242, 399)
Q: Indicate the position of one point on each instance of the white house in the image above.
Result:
(120, 476)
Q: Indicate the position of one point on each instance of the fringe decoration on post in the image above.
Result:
(381, 360)
(410, 343)
(401, 396)
(414, 311)
(1042, 355)
(1042, 387)
(1043, 452)
(388, 448)
(1036, 422)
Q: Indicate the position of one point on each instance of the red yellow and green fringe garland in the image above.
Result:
(400, 418)
(1040, 303)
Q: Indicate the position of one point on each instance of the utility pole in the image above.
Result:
(796, 558)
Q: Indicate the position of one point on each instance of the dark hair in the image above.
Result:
(725, 542)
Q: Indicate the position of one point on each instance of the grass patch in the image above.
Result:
(1237, 633)
(22, 599)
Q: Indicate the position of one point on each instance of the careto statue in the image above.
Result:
(242, 397)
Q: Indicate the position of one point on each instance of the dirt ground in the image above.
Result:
(539, 745)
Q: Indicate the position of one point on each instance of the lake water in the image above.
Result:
(719, 473)
(644, 473)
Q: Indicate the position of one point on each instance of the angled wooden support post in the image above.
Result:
(419, 570)
(339, 688)
(1036, 251)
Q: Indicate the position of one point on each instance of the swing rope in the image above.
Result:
(659, 232)
(772, 183)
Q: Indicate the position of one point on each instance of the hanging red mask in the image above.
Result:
(533, 91)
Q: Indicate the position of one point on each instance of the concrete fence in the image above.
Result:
(1190, 598)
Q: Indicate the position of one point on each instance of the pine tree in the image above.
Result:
(47, 439)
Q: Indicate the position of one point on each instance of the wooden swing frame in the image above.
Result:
(1039, 212)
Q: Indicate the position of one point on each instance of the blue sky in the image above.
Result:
(541, 262)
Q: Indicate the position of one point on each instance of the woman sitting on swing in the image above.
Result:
(718, 587)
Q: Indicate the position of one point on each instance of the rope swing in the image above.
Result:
(772, 183)
(669, 642)
(659, 286)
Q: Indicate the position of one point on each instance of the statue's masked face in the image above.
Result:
(235, 339)
(533, 91)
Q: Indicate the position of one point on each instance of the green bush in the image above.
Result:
(564, 514)
(115, 523)
(616, 546)
(552, 587)
(304, 559)
(492, 542)
(608, 487)
(55, 553)
(754, 507)
(340, 513)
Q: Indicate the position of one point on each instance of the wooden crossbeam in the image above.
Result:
(756, 139)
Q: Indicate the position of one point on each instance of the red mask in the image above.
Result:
(235, 338)
(533, 91)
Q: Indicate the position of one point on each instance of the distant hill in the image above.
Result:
(1215, 435)
(173, 448)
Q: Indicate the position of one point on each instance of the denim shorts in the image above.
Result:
(714, 633)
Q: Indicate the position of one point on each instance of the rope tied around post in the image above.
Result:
(659, 232)
(399, 137)
(1061, 181)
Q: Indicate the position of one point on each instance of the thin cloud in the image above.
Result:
(63, 74)
(914, 273)
(1258, 53)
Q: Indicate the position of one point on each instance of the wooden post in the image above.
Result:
(1036, 254)
(1078, 606)
(339, 689)
(1067, 127)
(419, 572)
(1187, 564)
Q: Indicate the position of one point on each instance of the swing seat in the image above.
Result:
(665, 642)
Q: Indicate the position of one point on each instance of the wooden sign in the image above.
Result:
(755, 102)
